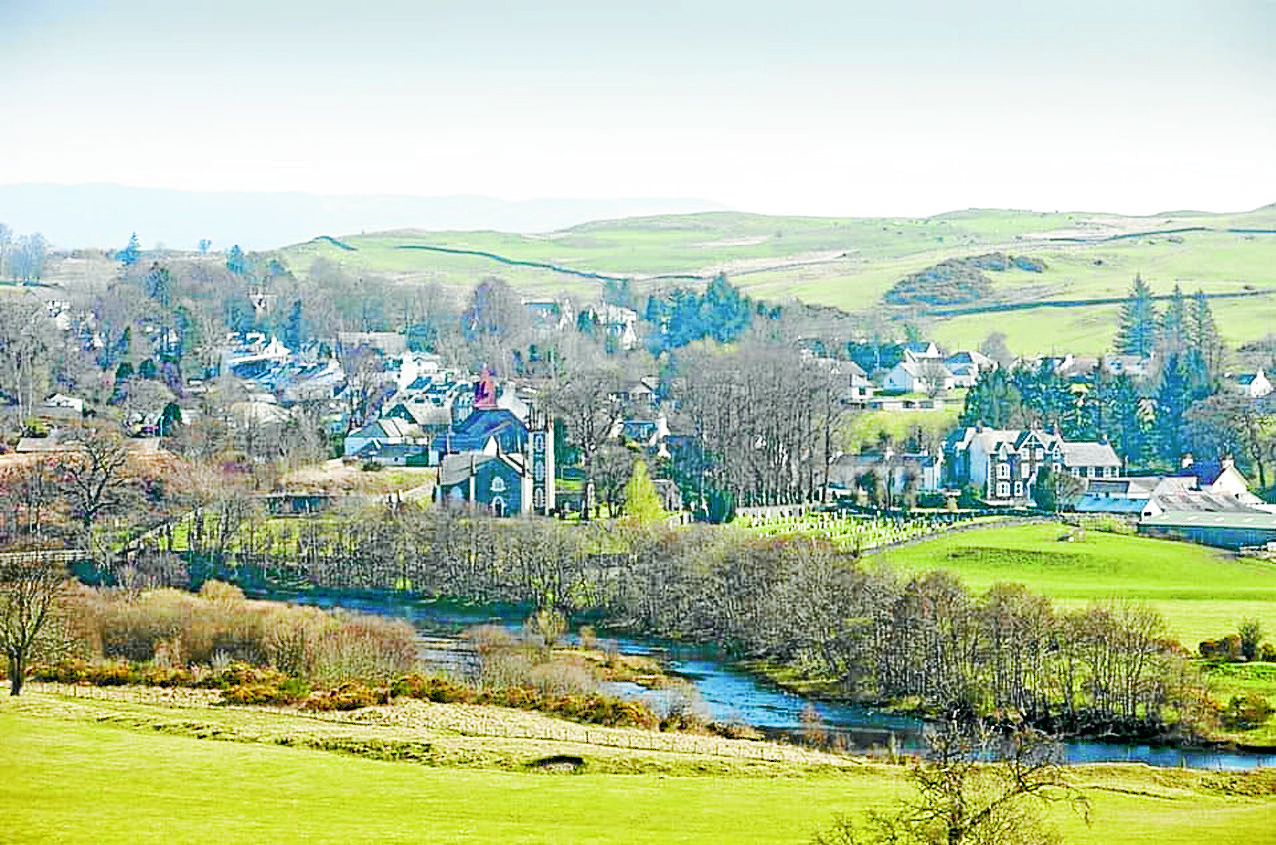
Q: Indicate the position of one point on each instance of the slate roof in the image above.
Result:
(473, 432)
(455, 468)
(1088, 455)
(1205, 472)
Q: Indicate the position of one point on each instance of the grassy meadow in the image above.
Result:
(851, 262)
(1201, 592)
(103, 772)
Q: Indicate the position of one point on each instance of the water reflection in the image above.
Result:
(731, 696)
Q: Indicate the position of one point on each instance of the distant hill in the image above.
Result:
(104, 215)
(1062, 278)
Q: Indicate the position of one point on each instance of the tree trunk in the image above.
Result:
(17, 669)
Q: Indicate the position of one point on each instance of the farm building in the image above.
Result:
(1226, 530)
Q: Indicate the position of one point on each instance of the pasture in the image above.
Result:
(1201, 592)
(851, 262)
(97, 772)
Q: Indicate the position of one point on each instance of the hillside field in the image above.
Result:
(851, 262)
(89, 771)
(1201, 592)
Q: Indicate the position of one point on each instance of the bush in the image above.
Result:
(1245, 712)
(432, 688)
(1251, 633)
(1227, 649)
(349, 696)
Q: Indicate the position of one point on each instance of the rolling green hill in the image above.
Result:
(851, 262)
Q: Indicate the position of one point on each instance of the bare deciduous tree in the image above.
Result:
(30, 588)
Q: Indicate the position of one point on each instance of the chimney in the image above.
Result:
(1186, 460)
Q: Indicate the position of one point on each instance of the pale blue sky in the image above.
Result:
(794, 107)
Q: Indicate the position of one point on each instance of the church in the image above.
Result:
(496, 460)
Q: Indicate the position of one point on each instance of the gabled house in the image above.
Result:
(1134, 366)
(649, 434)
(385, 431)
(1003, 463)
(918, 376)
(921, 350)
(1219, 479)
(916, 472)
(548, 315)
(1253, 385)
(618, 323)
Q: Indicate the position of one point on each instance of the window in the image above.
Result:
(1018, 488)
(538, 469)
(1025, 470)
(1093, 472)
(498, 485)
(1109, 472)
(1039, 453)
(1076, 472)
(1003, 470)
(538, 442)
(538, 498)
(1003, 489)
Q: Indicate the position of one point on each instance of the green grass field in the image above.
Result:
(1201, 592)
(851, 262)
(94, 772)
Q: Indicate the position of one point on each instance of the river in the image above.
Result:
(733, 696)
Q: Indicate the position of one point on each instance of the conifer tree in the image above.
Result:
(1138, 330)
(1203, 337)
(1174, 323)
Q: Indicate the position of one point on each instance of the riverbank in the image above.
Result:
(113, 770)
(1257, 741)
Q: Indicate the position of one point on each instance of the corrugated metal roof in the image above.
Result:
(1215, 519)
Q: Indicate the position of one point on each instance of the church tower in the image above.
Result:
(541, 449)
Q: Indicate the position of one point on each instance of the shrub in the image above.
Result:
(1251, 633)
(1267, 653)
(258, 694)
(1244, 712)
(364, 648)
(349, 696)
(432, 688)
(1226, 649)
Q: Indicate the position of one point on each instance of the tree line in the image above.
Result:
(883, 635)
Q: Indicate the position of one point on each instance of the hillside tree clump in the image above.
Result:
(950, 282)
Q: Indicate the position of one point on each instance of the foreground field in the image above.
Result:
(1201, 592)
(107, 771)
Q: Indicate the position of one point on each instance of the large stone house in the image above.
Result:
(1003, 463)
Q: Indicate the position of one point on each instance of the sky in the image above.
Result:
(797, 107)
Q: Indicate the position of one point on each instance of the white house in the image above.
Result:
(1253, 385)
(918, 376)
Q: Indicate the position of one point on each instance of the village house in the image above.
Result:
(1003, 463)
(1253, 385)
(919, 376)
(907, 472)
